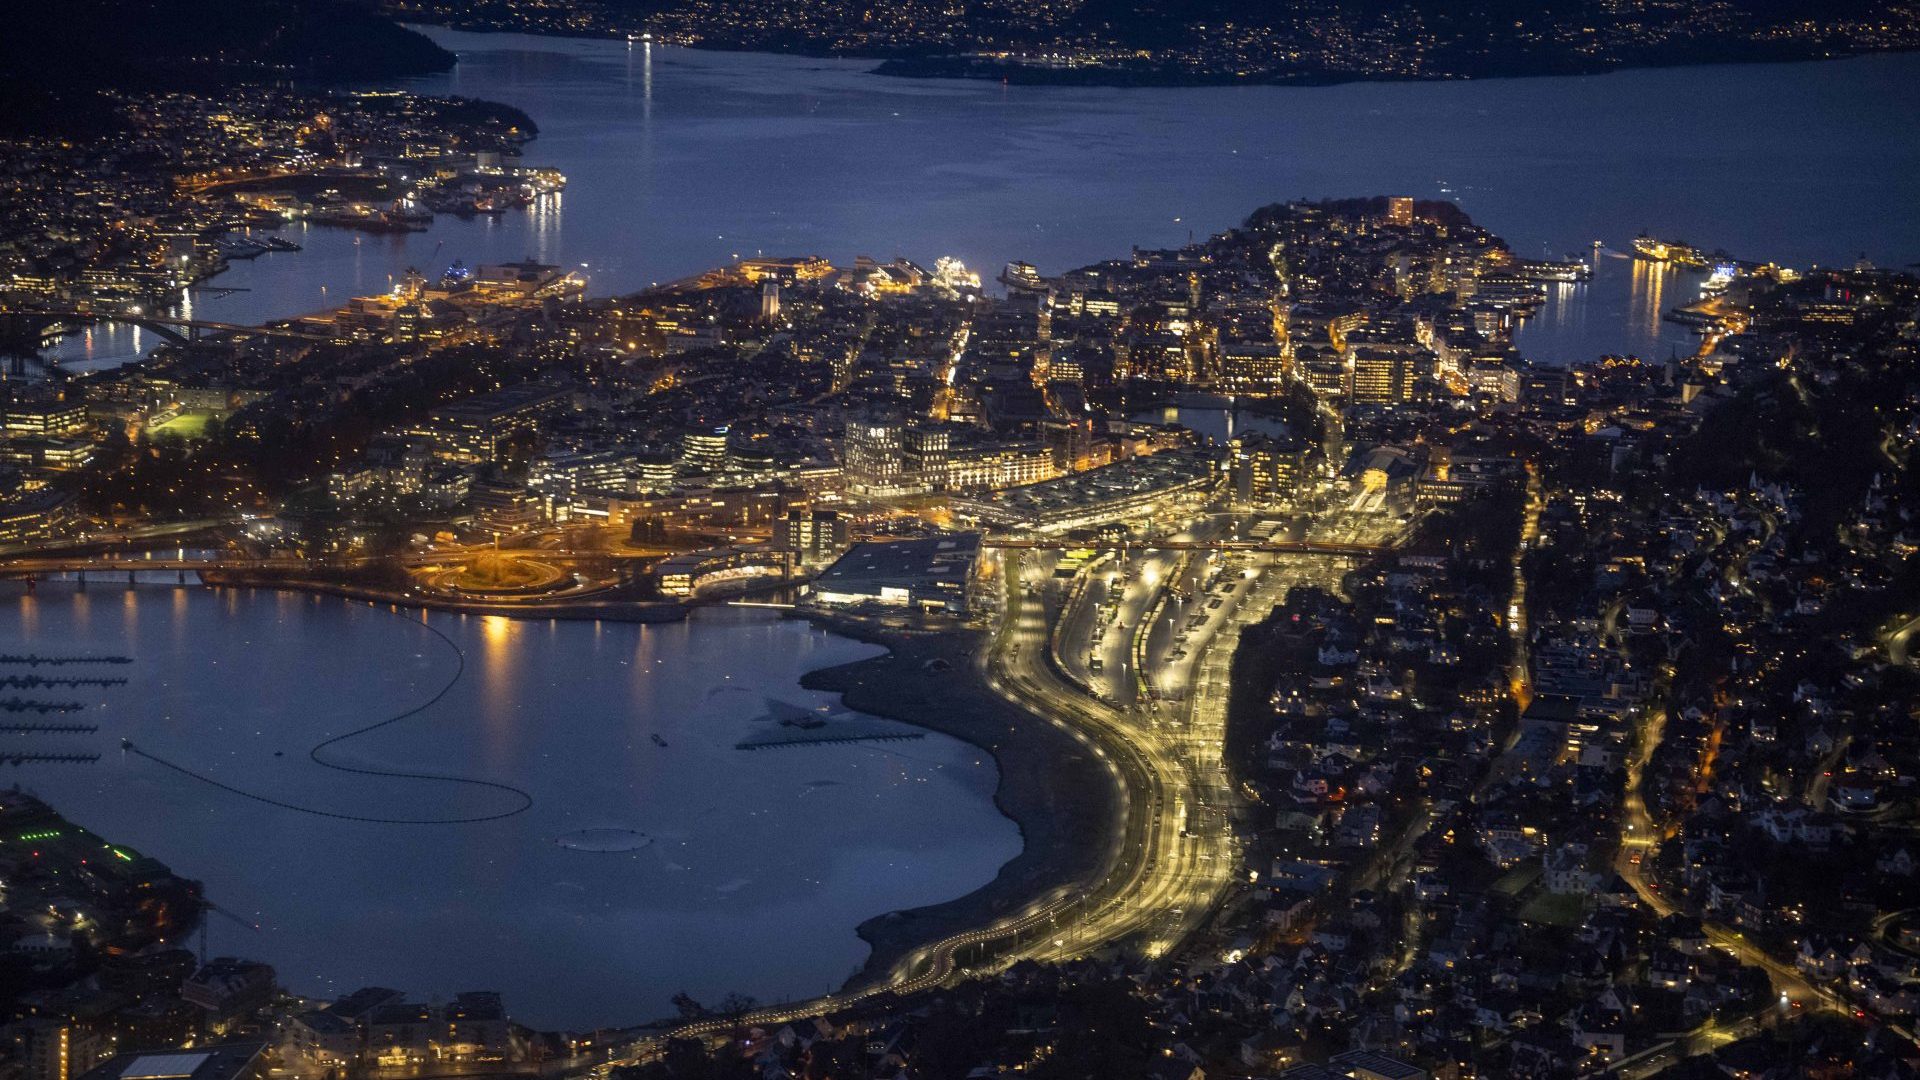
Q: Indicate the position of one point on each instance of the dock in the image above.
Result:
(49, 727)
(828, 740)
(17, 705)
(35, 659)
(36, 682)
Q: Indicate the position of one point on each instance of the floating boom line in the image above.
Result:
(460, 669)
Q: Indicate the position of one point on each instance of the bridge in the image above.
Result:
(178, 330)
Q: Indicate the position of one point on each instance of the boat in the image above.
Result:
(645, 36)
(1676, 252)
(657, 740)
(1544, 270)
(366, 218)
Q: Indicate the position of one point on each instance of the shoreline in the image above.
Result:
(1061, 801)
(609, 610)
(1055, 793)
(929, 63)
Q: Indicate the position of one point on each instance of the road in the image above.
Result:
(1174, 856)
(1173, 853)
(1640, 837)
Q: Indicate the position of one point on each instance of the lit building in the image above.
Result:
(931, 574)
(813, 536)
(787, 271)
(36, 517)
(704, 451)
(59, 455)
(1268, 471)
(45, 418)
(1137, 489)
(997, 465)
(1324, 370)
(1384, 374)
(875, 457)
(221, 1061)
(1253, 365)
(474, 430)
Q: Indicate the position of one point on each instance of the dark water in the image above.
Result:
(757, 865)
(681, 160)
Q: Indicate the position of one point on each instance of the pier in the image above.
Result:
(37, 682)
(35, 659)
(20, 704)
(49, 728)
(828, 740)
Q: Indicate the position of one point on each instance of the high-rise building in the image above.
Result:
(928, 449)
(704, 450)
(769, 300)
(814, 537)
(873, 455)
(1400, 210)
(1384, 374)
(1267, 471)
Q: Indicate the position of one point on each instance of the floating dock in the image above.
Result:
(829, 740)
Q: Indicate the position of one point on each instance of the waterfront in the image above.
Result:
(679, 160)
(749, 873)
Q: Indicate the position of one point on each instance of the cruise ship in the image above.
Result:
(1667, 251)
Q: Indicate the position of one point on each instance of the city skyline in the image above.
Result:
(1339, 640)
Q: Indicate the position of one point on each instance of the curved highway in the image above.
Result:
(1172, 856)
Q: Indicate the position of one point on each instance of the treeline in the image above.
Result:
(56, 60)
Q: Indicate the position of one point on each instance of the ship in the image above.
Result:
(1022, 277)
(1676, 252)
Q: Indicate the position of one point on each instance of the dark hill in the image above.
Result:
(55, 57)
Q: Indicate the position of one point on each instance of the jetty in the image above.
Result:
(827, 740)
(19, 704)
(49, 727)
(36, 682)
(35, 659)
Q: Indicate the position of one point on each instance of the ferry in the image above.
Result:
(1545, 270)
(1668, 251)
(646, 36)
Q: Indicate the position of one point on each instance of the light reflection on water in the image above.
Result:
(678, 160)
